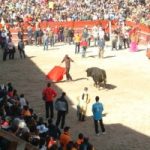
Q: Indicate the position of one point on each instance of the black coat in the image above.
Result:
(98, 75)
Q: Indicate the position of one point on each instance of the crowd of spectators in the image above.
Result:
(18, 118)
(14, 11)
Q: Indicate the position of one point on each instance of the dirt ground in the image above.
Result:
(126, 99)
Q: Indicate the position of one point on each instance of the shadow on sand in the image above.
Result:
(109, 56)
(74, 80)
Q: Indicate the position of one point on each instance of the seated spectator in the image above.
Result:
(65, 138)
(54, 131)
(26, 112)
(80, 139)
(23, 101)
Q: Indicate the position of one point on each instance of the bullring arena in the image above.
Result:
(126, 99)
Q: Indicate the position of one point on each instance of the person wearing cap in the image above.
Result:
(84, 100)
(61, 106)
(97, 109)
(65, 138)
(48, 96)
(67, 61)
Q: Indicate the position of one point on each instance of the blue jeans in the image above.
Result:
(45, 43)
(83, 51)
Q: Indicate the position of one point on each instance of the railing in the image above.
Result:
(15, 143)
(79, 25)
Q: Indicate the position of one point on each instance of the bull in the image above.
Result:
(98, 75)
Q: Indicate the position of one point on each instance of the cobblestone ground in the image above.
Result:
(126, 99)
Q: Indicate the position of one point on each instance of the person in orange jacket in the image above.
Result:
(65, 138)
(48, 96)
(80, 140)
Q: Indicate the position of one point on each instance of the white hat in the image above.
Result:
(42, 128)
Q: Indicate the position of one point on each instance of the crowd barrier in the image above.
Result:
(79, 25)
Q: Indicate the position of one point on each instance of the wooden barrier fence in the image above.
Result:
(78, 25)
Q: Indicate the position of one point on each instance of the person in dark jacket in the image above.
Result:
(40, 35)
(20, 34)
(5, 53)
(67, 61)
(21, 48)
(54, 131)
(61, 105)
(11, 49)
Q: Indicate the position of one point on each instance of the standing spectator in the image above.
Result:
(29, 35)
(84, 100)
(61, 106)
(120, 40)
(5, 52)
(66, 35)
(71, 35)
(61, 34)
(11, 49)
(51, 38)
(95, 34)
(85, 33)
(45, 41)
(84, 45)
(40, 35)
(4, 38)
(65, 138)
(20, 34)
(36, 36)
(126, 39)
(56, 30)
(21, 48)
(97, 110)
(114, 38)
(134, 37)
(101, 45)
(67, 61)
(77, 40)
(48, 96)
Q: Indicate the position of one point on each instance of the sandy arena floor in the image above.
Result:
(126, 99)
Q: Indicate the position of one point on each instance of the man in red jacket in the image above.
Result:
(48, 96)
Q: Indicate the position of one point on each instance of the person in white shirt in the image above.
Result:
(23, 101)
(83, 101)
(95, 33)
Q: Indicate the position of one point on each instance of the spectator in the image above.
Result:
(23, 101)
(65, 138)
(48, 95)
(84, 100)
(97, 110)
(45, 41)
(54, 131)
(21, 48)
(84, 45)
(77, 40)
(61, 106)
(80, 139)
(101, 45)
